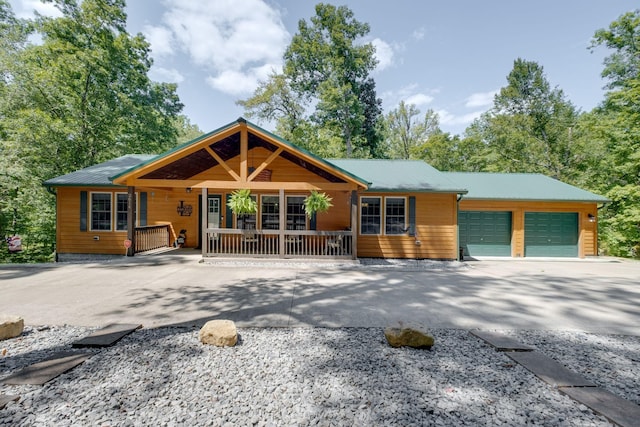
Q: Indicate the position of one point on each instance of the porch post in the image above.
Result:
(131, 219)
(283, 222)
(205, 221)
(354, 224)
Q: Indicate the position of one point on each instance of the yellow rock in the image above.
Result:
(221, 333)
(408, 337)
(10, 326)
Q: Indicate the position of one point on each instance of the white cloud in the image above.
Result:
(169, 75)
(25, 8)
(419, 99)
(234, 40)
(447, 118)
(384, 54)
(239, 82)
(419, 33)
(161, 40)
(481, 99)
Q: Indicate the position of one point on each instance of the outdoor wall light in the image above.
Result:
(591, 217)
(188, 189)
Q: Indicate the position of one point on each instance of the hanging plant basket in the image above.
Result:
(241, 202)
(316, 202)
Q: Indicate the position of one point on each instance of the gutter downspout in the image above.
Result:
(460, 249)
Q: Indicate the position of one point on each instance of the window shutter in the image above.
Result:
(313, 222)
(228, 213)
(143, 208)
(412, 216)
(83, 211)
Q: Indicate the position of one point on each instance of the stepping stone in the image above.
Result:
(501, 342)
(548, 370)
(6, 398)
(616, 409)
(107, 336)
(43, 372)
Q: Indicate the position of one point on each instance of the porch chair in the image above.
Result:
(334, 245)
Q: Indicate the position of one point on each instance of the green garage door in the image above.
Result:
(485, 233)
(550, 234)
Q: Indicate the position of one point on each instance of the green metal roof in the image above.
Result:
(171, 151)
(99, 175)
(400, 175)
(520, 186)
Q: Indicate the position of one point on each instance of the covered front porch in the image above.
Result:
(279, 175)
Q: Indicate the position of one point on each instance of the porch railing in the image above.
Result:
(267, 243)
(151, 237)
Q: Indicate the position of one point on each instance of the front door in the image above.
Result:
(213, 211)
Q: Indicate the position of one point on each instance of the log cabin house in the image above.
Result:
(381, 208)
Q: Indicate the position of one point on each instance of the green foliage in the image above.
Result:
(529, 128)
(620, 222)
(80, 96)
(406, 131)
(326, 71)
(615, 125)
(241, 202)
(316, 202)
(623, 36)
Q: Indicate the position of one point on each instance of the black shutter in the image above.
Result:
(412, 216)
(143, 209)
(83, 211)
(229, 213)
(313, 222)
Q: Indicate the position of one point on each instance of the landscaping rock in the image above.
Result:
(408, 337)
(10, 326)
(221, 333)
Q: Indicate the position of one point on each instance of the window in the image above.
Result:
(246, 221)
(370, 215)
(101, 211)
(296, 216)
(395, 214)
(122, 204)
(270, 213)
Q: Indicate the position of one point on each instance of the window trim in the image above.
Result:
(360, 215)
(110, 211)
(115, 210)
(404, 225)
(262, 196)
(286, 214)
(383, 215)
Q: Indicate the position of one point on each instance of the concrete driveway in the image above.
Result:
(590, 295)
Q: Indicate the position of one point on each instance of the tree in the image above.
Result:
(406, 131)
(618, 128)
(529, 128)
(79, 97)
(324, 97)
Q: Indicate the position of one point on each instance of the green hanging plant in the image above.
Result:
(241, 202)
(316, 202)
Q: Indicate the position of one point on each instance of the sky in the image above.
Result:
(451, 56)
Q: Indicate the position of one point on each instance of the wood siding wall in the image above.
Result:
(161, 209)
(587, 231)
(436, 230)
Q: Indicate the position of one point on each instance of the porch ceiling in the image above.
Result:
(199, 161)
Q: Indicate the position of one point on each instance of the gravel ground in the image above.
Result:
(311, 376)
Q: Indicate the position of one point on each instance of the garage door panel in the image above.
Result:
(551, 234)
(485, 233)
